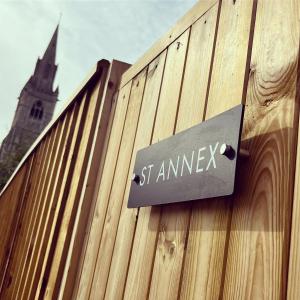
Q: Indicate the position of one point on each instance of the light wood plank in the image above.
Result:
(90, 213)
(21, 246)
(83, 144)
(117, 192)
(197, 70)
(42, 273)
(90, 253)
(232, 54)
(259, 238)
(123, 244)
(12, 210)
(45, 226)
(206, 246)
(37, 235)
(64, 192)
(174, 222)
(10, 272)
(98, 153)
(180, 27)
(139, 275)
(294, 261)
(34, 225)
(100, 111)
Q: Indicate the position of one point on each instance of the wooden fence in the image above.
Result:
(47, 199)
(82, 242)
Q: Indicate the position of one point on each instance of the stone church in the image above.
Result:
(36, 104)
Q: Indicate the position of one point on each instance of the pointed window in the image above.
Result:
(37, 111)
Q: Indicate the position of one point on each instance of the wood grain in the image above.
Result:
(127, 222)
(174, 222)
(24, 244)
(232, 55)
(197, 70)
(94, 233)
(293, 291)
(48, 217)
(38, 211)
(38, 234)
(13, 262)
(98, 114)
(62, 196)
(94, 174)
(143, 252)
(86, 130)
(206, 246)
(168, 38)
(38, 286)
(12, 208)
(72, 287)
(67, 233)
(259, 237)
(118, 188)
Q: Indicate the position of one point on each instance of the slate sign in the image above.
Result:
(197, 163)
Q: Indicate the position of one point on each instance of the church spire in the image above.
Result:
(45, 68)
(50, 52)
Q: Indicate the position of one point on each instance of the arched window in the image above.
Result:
(37, 110)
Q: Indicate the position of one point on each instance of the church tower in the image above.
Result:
(36, 104)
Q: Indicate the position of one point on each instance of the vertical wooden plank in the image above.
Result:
(75, 263)
(43, 226)
(233, 50)
(174, 222)
(56, 247)
(83, 143)
(5, 215)
(41, 275)
(168, 38)
(206, 246)
(41, 214)
(140, 269)
(294, 260)
(12, 208)
(37, 216)
(28, 224)
(197, 71)
(19, 248)
(94, 236)
(94, 173)
(11, 267)
(105, 248)
(36, 267)
(97, 111)
(74, 286)
(259, 238)
(123, 244)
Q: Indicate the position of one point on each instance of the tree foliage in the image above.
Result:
(9, 164)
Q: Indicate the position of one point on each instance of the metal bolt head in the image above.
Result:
(135, 178)
(225, 149)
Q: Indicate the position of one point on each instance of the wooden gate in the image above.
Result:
(221, 54)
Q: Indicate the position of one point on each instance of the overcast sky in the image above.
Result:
(89, 31)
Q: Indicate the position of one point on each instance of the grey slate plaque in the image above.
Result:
(190, 165)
